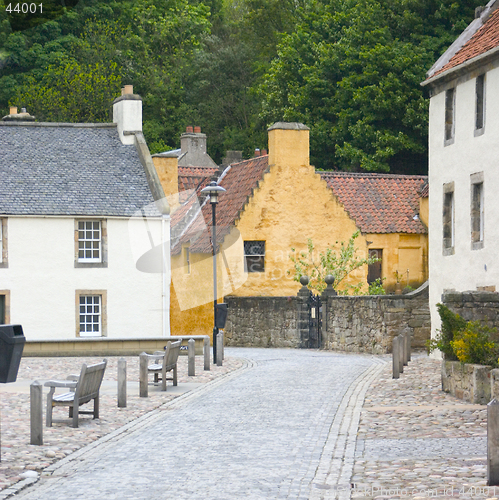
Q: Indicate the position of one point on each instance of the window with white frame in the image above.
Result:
(90, 243)
(254, 256)
(90, 315)
(477, 211)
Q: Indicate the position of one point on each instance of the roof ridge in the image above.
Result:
(371, 174)
(56, 124)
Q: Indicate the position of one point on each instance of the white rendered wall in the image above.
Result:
(42, 280)
(466, 269)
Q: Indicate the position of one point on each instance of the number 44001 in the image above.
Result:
(24, 8)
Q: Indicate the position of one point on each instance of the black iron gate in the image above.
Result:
(314, 321)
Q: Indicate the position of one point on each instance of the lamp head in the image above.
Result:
(213, 190)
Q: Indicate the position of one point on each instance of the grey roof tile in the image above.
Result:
(63, 169)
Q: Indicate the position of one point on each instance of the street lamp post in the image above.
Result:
(213, 190)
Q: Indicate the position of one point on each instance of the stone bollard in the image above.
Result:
(409, 341)
(122, 383)
(206, 353)
(36, 412)
(395, 357)
(143, 375)
(191, 358)
(401, 353)
(493, 443)
(405, 337)
(220, 343)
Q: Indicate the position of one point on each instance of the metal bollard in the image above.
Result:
(206, 352)
(220, 343)
(395, 357)
(493, 443)
(223, 344)
(191, 358)
(122, 383)
(143, 375)
(36, 413)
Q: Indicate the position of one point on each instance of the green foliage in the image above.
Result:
(350, 70)
(473, 345)
(72, 93)
(376, 287)
(339, 262)
(452, 324)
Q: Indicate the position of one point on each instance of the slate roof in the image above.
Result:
(193, 177)
(239, 180)
(379, 203)
(69, 169)
(481, 36)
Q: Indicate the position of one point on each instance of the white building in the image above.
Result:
(464, 162)
(75, 256)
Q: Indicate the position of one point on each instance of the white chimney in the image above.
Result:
(127, 113)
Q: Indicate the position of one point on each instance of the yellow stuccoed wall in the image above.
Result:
(291, 205)
(402, 252)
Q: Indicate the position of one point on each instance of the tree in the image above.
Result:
(351, 70)
(339, 262)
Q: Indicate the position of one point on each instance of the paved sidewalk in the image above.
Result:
(275, 424)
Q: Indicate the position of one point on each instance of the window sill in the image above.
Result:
(477, 245)
(479, 131)
(448, 142)
(448, 251)
(90, 264)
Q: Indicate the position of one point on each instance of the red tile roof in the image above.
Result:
(485, 39)
(239, 180)
(379, 203)
(192, 177)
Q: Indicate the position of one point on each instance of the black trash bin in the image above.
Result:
(221, 315)
(11, 349)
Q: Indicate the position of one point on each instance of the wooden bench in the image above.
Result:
(163, 362)
(84, 388)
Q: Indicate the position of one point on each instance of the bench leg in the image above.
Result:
(96, 407)
(48, 419)
(175, 375)
(76, 411)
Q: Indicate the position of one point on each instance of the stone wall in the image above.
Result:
(475, 306)
(355, 324)
(262, 322)
(369, 323)
(477, 384)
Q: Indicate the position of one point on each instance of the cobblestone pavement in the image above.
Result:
(273, 430)
(286, 424)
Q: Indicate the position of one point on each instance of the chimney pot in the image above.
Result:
(257, 152)
(13, 110)
(197, 130)
(264, 152)
(23, 110)
(189, 129)
(128, 89)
